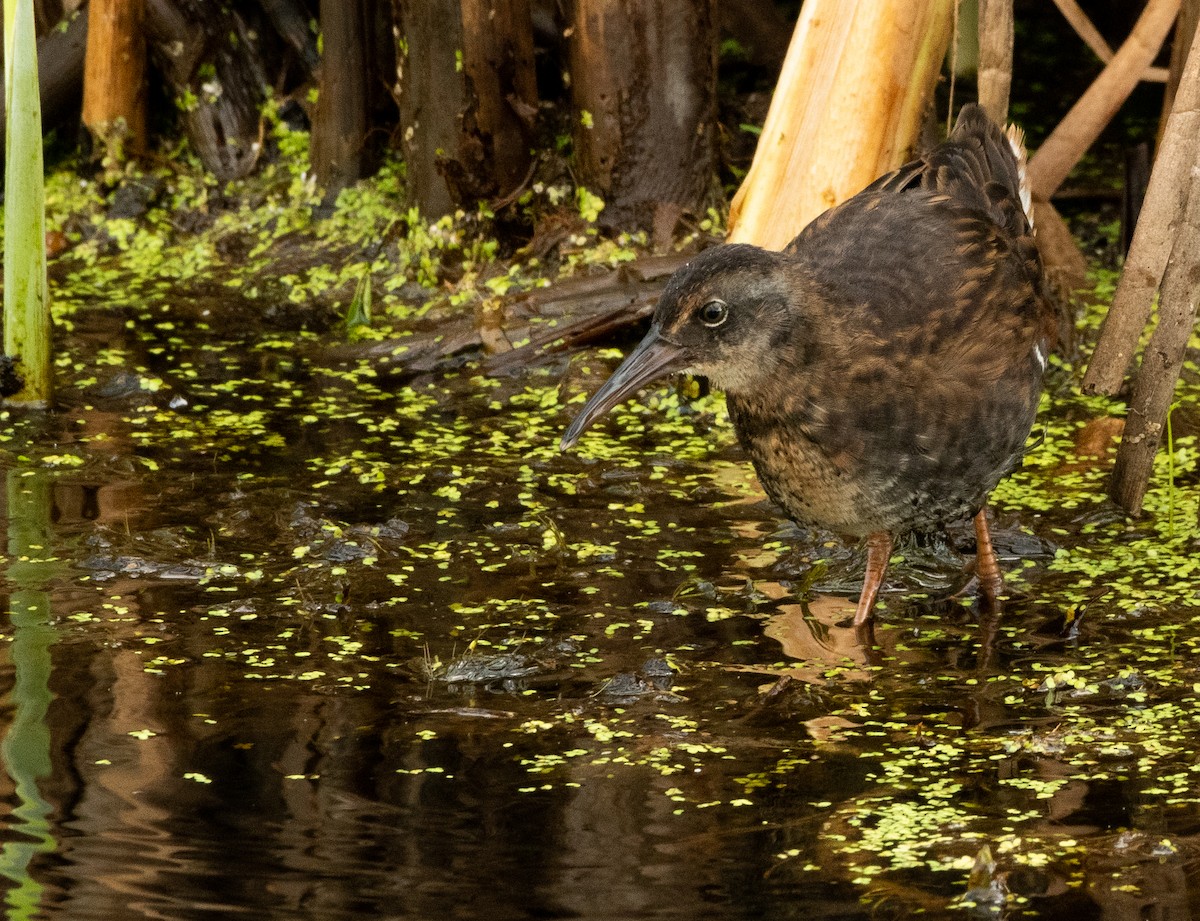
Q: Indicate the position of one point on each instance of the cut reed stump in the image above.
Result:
(1166, 249)
(848, 107)
(467, 90)
(114, 77)
(644, 88)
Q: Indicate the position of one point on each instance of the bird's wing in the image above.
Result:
(979, 166)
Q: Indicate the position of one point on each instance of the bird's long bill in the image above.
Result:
(654, 357)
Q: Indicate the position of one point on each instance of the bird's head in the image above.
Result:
(723, 315)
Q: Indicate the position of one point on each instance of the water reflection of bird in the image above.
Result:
(883, 371)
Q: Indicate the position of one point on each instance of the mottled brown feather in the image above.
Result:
(884, 370)
(922, 297)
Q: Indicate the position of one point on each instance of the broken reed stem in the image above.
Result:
(1161, 362)
(995, 57)
(1096, 107)
(1181, 46)
(1166, 198)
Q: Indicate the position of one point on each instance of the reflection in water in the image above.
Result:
(240, 721)
(26, 745)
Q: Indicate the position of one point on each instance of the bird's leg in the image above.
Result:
(987, 570)
(879, 550)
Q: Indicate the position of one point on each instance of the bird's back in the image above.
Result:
(958, 213)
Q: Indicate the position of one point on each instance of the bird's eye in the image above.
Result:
(714, 313)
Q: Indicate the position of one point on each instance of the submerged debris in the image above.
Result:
(486, 669)
(652, 680)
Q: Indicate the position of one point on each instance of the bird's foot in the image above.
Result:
(987, 593)
(864, 633)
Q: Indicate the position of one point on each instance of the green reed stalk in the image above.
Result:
(26, 301)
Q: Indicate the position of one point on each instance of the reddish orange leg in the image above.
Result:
(987, 570)
(879, 550)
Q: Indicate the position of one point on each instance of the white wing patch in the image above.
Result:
(1016, 140)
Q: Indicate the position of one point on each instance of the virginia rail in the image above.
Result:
(882, 371)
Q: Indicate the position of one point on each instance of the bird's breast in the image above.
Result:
(857, 472)
(813, 484)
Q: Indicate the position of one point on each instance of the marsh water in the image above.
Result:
(289, 639)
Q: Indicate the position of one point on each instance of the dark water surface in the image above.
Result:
(287, 642)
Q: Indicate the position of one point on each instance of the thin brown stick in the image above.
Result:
(995, 57)
(1185, 29)
(1161, 364)
(1073, 13)
(953, 63)
(1152, 238)
(1095, 109)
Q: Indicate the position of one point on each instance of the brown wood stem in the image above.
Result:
(995, 57)
(1095, 109)
(1153, 238)
(1161, 363)
(114, 79)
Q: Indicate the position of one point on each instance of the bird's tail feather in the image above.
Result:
(979, 163)
(979, 154)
